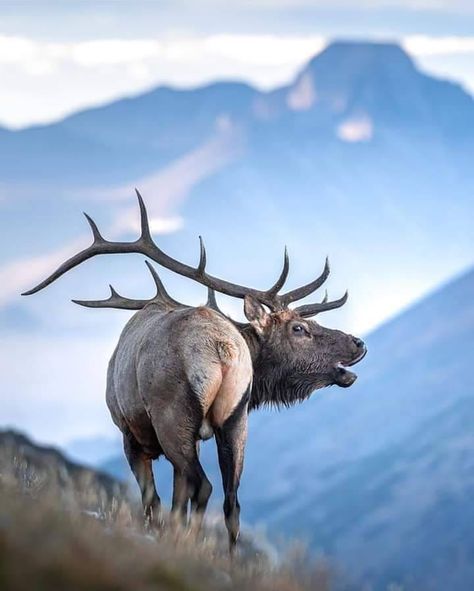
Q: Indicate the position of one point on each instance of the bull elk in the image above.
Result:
(180, 373)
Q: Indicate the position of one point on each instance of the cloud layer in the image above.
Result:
(65, 76)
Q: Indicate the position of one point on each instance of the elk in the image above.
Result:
(180, 374)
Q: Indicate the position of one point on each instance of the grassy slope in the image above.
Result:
(66, 527)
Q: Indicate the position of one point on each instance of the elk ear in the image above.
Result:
(256, 314)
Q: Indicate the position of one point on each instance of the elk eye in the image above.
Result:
(298, 329)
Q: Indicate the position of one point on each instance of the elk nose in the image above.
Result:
(359, 343)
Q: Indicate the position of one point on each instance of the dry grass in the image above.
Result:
(44, 548)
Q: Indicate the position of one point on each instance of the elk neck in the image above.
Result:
(273, 384)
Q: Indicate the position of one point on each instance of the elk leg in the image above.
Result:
(177, 433)
(200, 497)
(140, 464)
(179, 505)
(190, 483)
(230, 439)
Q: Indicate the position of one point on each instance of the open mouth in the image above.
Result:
(342, 376)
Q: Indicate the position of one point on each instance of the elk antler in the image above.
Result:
(146, 246)
(309, 310)
(212, 303)
(117, 301)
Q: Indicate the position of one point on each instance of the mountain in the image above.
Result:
(44, 473)
(362, 157)
(92, 451)
(120, 140)
(379, 477)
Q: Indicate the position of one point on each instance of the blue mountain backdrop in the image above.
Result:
(361, 156)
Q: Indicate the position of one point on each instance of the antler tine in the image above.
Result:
(117, 301)
(161, 294)
(309, 310)
(280, 282)
(144, 225)
(95, 230)
(212, 303)
(202, 257)
(114, 301)
(98, 246)
(301, 292)
(211, 300)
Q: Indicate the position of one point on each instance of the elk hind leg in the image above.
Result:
(201, 491)
(141, 466)
(190, 482)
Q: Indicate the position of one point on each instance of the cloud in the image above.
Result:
(66, 76)
(422, 45)
(464, 5)
(355, 129)
(129, 222)
(113, 51)
(170, 186)
(265, 50)
(21, 274)
(56, 399)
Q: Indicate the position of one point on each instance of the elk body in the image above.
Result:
(180, 374)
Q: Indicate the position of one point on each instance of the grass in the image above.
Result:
(44, 547)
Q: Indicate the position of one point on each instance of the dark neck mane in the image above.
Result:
(271, 386)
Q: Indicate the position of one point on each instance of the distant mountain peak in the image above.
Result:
(371, 80)
(362, 55)
(384, 49)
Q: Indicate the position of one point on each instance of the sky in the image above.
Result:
(58, 57)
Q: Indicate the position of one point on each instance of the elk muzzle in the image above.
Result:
(342, 376)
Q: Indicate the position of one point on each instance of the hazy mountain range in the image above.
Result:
(361, 157)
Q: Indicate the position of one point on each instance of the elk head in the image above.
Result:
(292, 355)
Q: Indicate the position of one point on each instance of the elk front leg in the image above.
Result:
(141, 466)
(231, 439)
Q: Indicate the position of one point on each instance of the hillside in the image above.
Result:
(63, 526)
